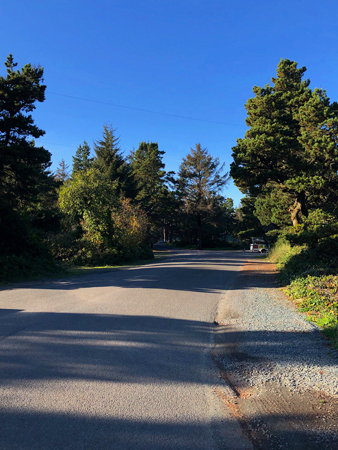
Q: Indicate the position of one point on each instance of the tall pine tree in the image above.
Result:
(291, 144)
(25, 180)
(62, 174)
(110, 162)
(151, 182)
(82, 159)
(201, 180)
(23, 165)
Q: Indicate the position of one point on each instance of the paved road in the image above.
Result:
(117, 360)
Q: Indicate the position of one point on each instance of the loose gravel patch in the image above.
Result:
(281, 344)
(281, 373)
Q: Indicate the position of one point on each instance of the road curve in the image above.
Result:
(117, 360)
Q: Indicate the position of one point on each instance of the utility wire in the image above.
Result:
(146, 110)
(63, 145)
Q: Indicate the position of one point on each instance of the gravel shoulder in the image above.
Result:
(281, 374)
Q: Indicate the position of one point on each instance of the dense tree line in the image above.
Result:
(110, 207)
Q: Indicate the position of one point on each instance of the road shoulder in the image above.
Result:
(281, 376)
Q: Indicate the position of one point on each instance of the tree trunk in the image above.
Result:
(199, 233)
(297, 208)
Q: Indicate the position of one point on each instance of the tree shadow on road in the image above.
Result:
(203, 272)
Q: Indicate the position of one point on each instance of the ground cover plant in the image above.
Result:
(311, 280)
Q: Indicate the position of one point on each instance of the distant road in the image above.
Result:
(117, 360)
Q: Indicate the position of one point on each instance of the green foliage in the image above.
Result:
(153, 194)
(130, 225)
(87, 199)
(27, 266)
(149, 174)
(246, 223)
(62, 173)
(103, 229)
(312, 282)
(291, 146)
(272, 207)
(200, 183)
(26, 185)
(82, 159)
(279, 252)
(317, 227)
(23, 166)
(318, 296)
(79, 251)
(109, 162)
(23, 253)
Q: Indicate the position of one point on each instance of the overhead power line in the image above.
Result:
(146, 110)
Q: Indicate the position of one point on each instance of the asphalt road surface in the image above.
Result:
(117, 360)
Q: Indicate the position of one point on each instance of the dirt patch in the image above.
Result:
(275, 418)
(271, 415)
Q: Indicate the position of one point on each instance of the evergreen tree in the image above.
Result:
(82, 160)
(25, 180)
(247, 224)
(23, 165)
(291, 144)
(152, 187)
(149, 174)
(228, 216)
(201, 180)
(62, 173)
(110, 162)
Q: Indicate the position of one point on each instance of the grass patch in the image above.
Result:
(61, 271)
(86, 270)
(280, 252)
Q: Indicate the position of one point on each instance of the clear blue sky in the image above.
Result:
(193, 58)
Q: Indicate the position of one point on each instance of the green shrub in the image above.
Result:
(27, 266)
(73, 251)
(318, 296)
(311, 276)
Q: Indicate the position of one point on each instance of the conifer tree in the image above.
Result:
(110, 162)
(201, 180)
(25, 180)
(23, 165)
(82, 160)
(149, 174)
(291, 144)
(151, 182)
(62, 172)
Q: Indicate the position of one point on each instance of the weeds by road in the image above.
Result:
(311, 280)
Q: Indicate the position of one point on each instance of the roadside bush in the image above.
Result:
(23, 251)
(300, 261)
(83, 252)
(318, 296)
(16, 268)
(312, 281)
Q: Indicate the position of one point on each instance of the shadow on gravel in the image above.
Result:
(282, 347)
(291, 431)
